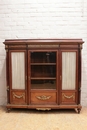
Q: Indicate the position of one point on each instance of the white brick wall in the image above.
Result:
(43, 19)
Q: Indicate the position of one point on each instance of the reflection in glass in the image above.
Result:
(43, 57)
(43, 71)
(43, 84)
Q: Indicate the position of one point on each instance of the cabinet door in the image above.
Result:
(69, 80)
(18, 77)
(43, 70)
(43, 79)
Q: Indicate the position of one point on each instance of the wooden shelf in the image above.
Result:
(43, 64)
(37, 78)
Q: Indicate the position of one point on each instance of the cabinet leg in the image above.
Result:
(8, 110)
(78, 109)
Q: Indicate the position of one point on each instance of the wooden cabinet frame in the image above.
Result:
(19, 91)
(43, 99)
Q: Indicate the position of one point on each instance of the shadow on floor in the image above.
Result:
(34, 111)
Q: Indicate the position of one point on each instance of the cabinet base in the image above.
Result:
(45, 107)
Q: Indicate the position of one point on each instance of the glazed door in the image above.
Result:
(18, 89)
(69, 76)
(42, 76)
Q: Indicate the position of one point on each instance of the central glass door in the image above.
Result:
(43, 69)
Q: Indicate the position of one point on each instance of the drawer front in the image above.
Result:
(18, 97)
(68, 98)
(43, 98)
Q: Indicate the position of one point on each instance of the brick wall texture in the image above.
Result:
(43, 19)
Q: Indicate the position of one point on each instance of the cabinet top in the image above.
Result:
(41, 41)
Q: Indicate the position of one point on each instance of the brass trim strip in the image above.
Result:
(42, 46)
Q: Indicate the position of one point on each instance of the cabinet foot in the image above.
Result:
(78, 109)
(8, 110)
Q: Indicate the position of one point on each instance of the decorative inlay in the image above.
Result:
(43, 46)
(19, 96)
(17, 46)
(43, 97)
(68, 97)
(6, 46)
(80, 46)
(43, 109)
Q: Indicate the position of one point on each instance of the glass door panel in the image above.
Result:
(68, 70)
(43, 84)
(43, 57)
(43, 70)
(18, 70)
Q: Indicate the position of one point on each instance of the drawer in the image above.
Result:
(43, 98)
(18, 97)
(68, 97)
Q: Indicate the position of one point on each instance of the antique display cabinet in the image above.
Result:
(43, 74)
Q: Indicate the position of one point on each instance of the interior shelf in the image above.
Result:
(37, 78)
(43, 64)
(43, 57)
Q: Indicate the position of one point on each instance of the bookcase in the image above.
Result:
(43, 74)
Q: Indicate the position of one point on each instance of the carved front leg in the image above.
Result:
(78, 109)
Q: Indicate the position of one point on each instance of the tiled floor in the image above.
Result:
(20, 119)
